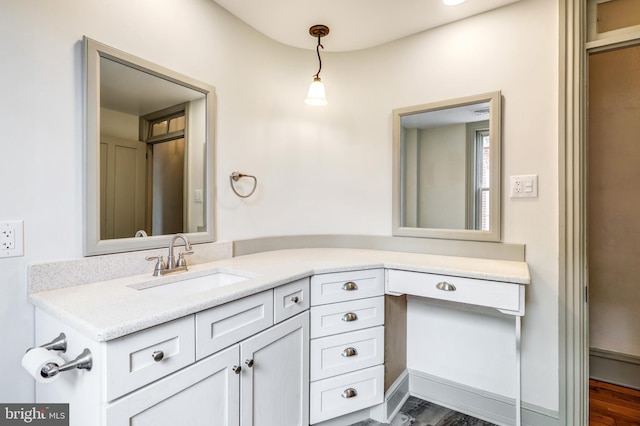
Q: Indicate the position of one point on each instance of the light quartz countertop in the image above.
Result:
(110, 309)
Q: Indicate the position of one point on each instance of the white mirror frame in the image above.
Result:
(495, 125)
(93, 51)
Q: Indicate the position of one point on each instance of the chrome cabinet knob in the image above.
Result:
(157, 356)
(295, 299)
(445, 286)
(350, 286)
(349, 352)
(349, 316)
(249, 363)
(349, 393)
(236, 369)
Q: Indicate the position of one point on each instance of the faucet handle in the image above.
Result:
(160, 265)
(181, 261)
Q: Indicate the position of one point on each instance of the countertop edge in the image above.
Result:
(299, 263)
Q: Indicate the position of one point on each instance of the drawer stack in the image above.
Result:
(347, 342)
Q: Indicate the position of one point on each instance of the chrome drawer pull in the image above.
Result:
(349, 352)
(295, 299)
(349, 316)
(249, 363)
(236, 369)
(350, 286)
(158, 356)
(349, 393)
(445, 286)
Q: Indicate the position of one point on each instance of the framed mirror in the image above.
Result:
(446, 169)
(149, 153)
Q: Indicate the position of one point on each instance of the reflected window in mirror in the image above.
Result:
(447, 169)
(480, 177)
(149, 153)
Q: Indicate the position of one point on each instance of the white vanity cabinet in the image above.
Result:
(347, 342)
(239, 385)
(206, 393)
(274, 381)
(507, 298)
(231, 365)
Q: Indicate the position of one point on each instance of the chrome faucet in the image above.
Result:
(171, 261)
(173, 264)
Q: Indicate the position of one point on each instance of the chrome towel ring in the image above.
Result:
(236, 176)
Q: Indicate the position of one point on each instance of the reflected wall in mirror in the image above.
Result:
(447, 169)
(149, 166)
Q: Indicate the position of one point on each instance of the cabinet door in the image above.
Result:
(275, 375)
(203, 394)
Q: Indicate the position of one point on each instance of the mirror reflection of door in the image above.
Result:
(142, 182)
(122, 187)
(167, 189)
(166, 164)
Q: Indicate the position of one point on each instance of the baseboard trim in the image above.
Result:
(484, 405)
(614, 367)
(394, 399)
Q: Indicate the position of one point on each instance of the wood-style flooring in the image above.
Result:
(611, 405)
(417, 412)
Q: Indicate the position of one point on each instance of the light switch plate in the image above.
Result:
(523, 186)
(11, 238)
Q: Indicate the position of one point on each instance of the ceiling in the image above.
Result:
(353, 24)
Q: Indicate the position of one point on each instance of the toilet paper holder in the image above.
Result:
(57, 344)
(84, 361)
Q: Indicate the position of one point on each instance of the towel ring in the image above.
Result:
(236, 176)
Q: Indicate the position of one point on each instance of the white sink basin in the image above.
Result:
(194, 285)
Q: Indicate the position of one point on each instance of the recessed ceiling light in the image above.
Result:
(452, 2)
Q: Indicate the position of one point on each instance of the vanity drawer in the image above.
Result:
(494, 294)
(334, 355)
(290, 299)
(145, 356)
(227, 324)
(347, 393)
(346, 316)
(351, 285)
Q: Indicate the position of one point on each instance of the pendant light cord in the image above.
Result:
(319, 59)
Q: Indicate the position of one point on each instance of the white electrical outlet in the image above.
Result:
(7, 239)
(523, 186)
(11, 238)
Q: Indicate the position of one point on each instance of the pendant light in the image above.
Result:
(316, 96)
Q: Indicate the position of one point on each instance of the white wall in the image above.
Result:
(311, 163)
(515, 50)
(41, 113)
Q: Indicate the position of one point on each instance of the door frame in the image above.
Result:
(572, 242)
(572, 185)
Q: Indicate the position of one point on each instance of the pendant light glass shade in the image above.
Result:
(316, 96)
